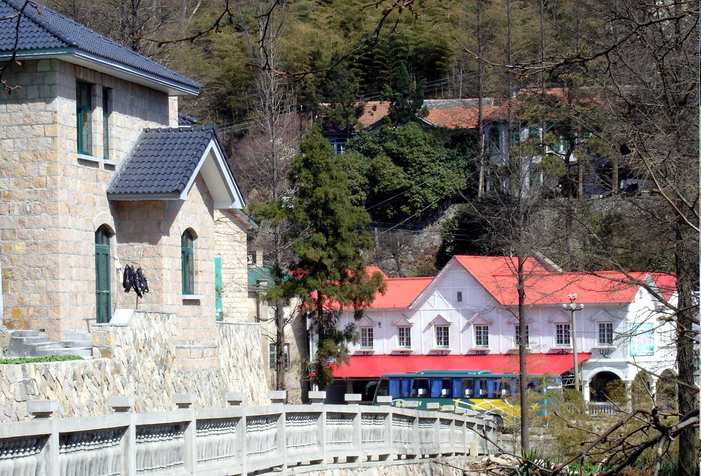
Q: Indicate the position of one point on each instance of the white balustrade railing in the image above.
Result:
(234, 440)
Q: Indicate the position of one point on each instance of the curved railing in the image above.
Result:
(233, 440)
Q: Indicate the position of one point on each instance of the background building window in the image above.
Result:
(405, 337)
(188, 262)
(517, 335)
(366, 337)
(605, 333)
(482, 336)
(443, 336)
(459, 296)
(83, 109)
(562, 335)
(272, 355)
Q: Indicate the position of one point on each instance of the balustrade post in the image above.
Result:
(243, 430)
(317, 400)
(278, 397)
(43, 410)
(184, 402)
(122, 404)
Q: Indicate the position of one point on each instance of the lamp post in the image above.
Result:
(573, 308)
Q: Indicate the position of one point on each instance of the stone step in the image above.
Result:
(77, 336)
(79, 351)
(32, 339)
(76, 343)
(24, 333)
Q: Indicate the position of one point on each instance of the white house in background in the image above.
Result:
(466, 318)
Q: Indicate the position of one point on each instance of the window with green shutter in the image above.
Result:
(103, 281)
(188, 262)
(83, 110)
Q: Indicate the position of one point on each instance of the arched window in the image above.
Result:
(103, 275)
(187, 248)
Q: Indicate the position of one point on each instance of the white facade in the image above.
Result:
(457, 315)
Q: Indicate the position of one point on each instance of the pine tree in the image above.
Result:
(406, 97)
(329, 239)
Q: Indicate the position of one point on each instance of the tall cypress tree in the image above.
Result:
(329, 239)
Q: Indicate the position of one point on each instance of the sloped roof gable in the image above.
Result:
(165, 163)
(43, 32)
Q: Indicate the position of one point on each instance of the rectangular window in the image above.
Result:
(517, 334)
(83, 110)
(605, 333)
(188, 262)
(106, 111)
(405, 337)
(273, 356)
(442, 336)
(366, 337)
(482, 336)
(562, 335)
(459, 296)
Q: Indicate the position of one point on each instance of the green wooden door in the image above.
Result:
(103, 284)
(218, 289)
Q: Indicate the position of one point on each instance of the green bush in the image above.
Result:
(32, 360)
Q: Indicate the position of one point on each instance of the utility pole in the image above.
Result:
(573, 308)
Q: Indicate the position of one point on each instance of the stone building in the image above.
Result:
(97, 176)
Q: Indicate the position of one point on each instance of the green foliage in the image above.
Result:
(34, 360)
(410, 171)
(340, 93)
(329, 238)
(405, 98)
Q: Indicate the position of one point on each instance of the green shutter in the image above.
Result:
(218, 289)
(103, 285)
(188, 262)
(83, 110)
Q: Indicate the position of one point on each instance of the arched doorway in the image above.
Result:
(599, 383)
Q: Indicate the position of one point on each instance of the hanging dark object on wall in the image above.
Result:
(136, 280)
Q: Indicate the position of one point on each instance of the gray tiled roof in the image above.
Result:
(162, 162)
(44, 29)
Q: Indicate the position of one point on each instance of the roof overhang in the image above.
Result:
(374, 366)
(110, 67)
(218, 178)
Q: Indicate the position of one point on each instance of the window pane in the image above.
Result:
(84, 117)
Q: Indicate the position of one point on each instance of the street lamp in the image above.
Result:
(573, 307)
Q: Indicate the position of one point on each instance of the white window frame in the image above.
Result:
(528, 336)
(481, 335)
(442, 333)
(563, 338)
(607, 332)
(367, 338)
(404, 341)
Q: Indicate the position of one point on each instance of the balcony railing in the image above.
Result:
(233, 440)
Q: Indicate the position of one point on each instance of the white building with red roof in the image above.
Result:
(467, 318)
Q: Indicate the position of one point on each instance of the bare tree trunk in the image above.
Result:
(522, 356)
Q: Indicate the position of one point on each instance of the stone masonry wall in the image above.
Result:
(53, 199)
(229, 230)
(138, 360)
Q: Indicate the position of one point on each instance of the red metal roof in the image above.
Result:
(373, 366)
(400, 292)
(497, 274)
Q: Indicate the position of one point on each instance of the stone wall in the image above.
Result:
(231, 229)
(139, 360)
(454, 466)
(53, 199)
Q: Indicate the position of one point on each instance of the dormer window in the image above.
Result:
(367, 340)
(563, 335)
(83, 109)
(605, 335)
(442, 337)
(481, 336)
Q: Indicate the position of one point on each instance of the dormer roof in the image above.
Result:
(40, 32)
(165, 163)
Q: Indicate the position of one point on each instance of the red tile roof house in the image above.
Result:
(96, 174)
(466, 318)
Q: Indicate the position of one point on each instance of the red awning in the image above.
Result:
(373, 366)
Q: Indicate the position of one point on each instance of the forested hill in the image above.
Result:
(437, 40)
